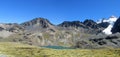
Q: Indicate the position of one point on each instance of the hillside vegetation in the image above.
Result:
(11, 49)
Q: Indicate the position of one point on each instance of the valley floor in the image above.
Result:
(11, 49)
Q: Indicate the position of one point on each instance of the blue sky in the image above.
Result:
(57, 11)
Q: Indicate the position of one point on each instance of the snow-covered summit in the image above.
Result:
(111, 20)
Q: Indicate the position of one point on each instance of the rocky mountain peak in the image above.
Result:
(75, 24)
(111, 22)
(42, 22)
(90, 23)
(38, 25)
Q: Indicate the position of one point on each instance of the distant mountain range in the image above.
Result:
(41, 32)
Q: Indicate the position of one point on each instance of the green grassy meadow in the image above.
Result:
(12, 49)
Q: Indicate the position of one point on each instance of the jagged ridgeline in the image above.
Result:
(41, 32)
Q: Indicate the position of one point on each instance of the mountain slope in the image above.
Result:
(40, 32)
(9, 29)
(38, 25)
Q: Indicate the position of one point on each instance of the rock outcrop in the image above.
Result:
(116, 27)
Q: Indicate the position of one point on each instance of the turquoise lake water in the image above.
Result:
(57, 47)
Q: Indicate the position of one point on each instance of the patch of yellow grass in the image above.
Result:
(12, 49)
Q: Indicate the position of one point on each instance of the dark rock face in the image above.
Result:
(1, 28)
(94, 25)
(75, 24)
(91, 24)
(104, 24)
(83, 44)
(116, 27)
(106, 40)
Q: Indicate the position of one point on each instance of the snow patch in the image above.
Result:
(108, 30)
